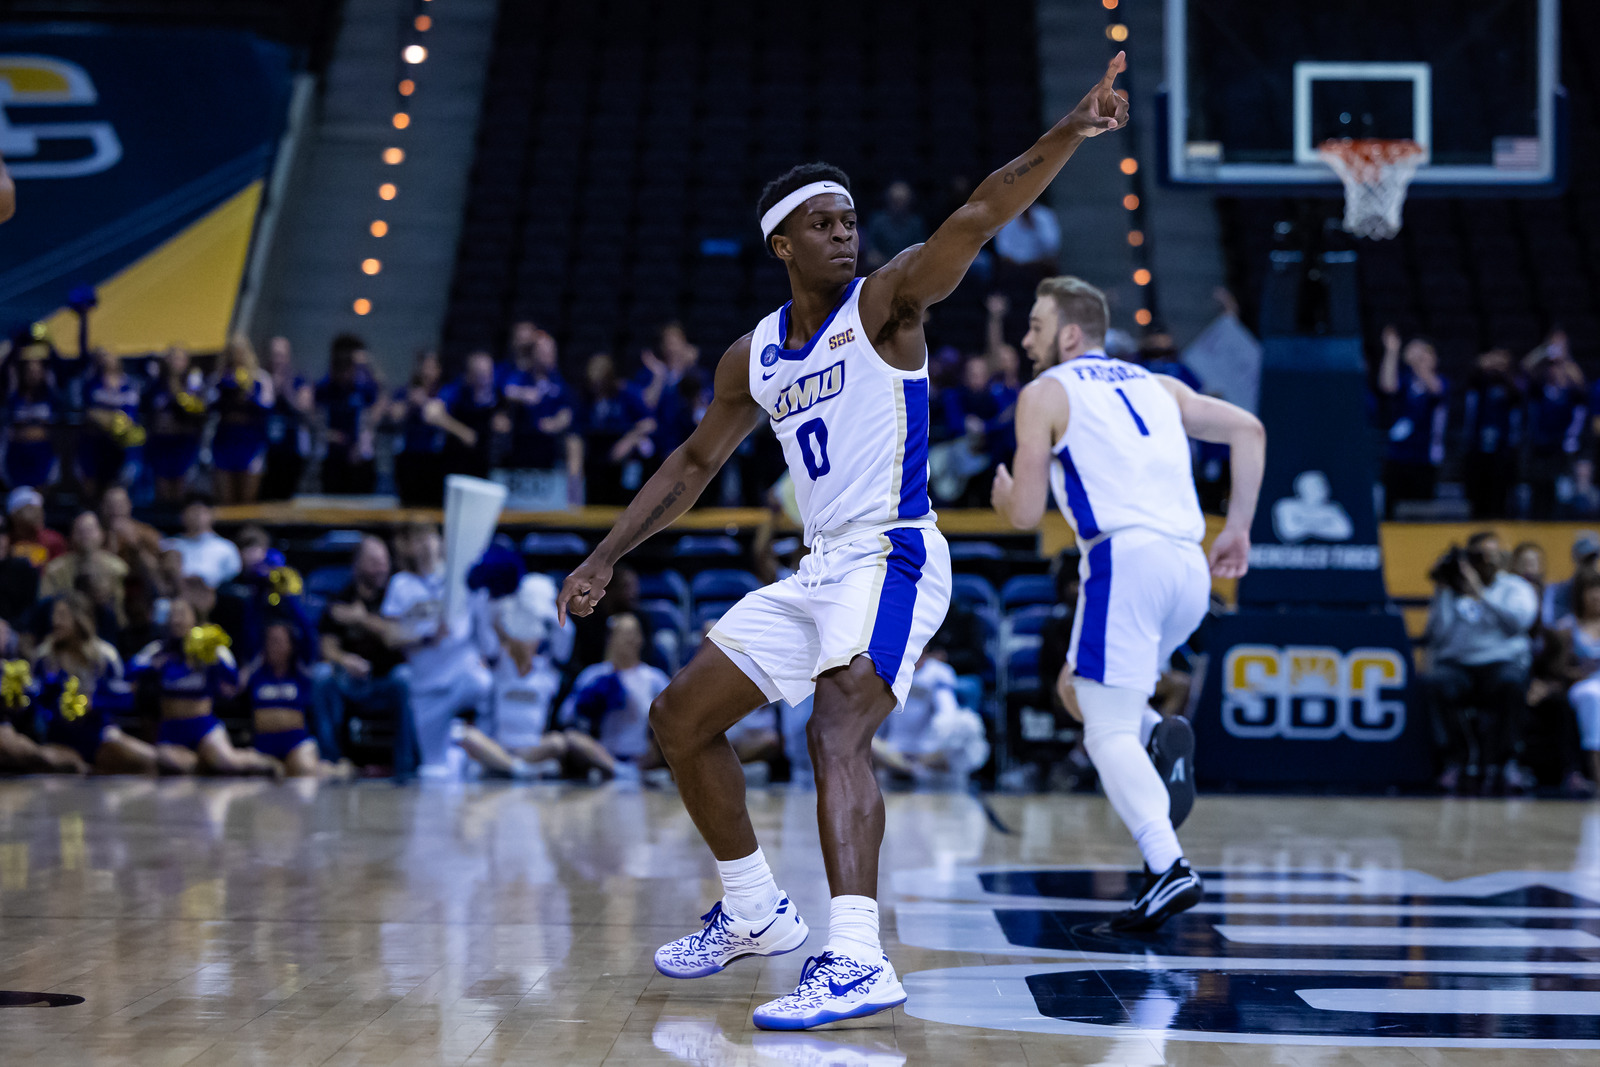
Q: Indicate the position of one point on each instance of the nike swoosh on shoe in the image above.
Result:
(840, 990)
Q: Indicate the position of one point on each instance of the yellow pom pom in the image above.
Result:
(285, 581)
(191, 403)
(241, 377)
(16, 678)
(74, 705)
(125, 432)
(203, 643)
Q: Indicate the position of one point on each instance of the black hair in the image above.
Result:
(1479, 538)
(792, 179)
(199, 496)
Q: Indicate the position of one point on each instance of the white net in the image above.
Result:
(1376, 175)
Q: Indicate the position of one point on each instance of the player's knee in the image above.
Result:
(673, 730)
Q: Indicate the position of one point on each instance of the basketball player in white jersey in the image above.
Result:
(841, 373)
(1111, 440)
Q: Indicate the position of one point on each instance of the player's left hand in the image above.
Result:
(1230, 553)
(1000, 492)
(1105, 108)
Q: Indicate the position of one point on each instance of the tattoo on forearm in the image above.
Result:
(659, 510)
(1028, 165)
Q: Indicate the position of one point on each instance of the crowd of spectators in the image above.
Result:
(129, 651)
(1511, 669)
(1518, 435)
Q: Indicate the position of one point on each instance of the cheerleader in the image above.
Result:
(82, 687)
(242, 396)
(280, 693)
(175, 414)
(194, 670)
(31, 404)
(112, 435)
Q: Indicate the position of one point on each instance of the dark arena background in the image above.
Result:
(272, 271)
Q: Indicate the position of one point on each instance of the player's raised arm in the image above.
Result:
(927, 273)
(1206, 418)
(678, 483)
(1042, 414)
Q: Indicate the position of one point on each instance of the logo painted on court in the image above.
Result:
(1348, 957)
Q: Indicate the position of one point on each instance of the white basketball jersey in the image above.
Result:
(1124, 460)
(522, 701)
(854, 430)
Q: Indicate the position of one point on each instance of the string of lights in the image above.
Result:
(1133, 202)
(413, 54)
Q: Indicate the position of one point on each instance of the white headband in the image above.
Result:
(780, 211)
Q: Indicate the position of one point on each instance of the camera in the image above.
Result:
(1447, 571)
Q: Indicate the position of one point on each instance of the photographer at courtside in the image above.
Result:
(1479, 655)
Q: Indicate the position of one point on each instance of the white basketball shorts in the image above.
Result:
(1142, 595)
(881, 594)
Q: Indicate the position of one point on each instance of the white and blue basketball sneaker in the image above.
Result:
(832, 987)
(725, 939)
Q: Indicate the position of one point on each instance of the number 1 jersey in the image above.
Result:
(1124, 460)
(854, 430)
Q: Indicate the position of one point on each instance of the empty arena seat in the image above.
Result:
(974, 591)
(544, 543)
(338, 540)
(665, 585)
(707, 545)
(1026, 622)
(327, 581)
(969, 550)
(1021, 667)
(722, 584)
(1027, 589)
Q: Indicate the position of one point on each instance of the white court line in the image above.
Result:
(1407, 936)
(1455, 1001)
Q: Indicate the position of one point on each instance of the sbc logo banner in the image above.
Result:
(1306, 697)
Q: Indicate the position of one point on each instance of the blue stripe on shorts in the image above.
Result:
(1090, 662)
(897, 602)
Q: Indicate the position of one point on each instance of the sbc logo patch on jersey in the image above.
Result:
(769, 356)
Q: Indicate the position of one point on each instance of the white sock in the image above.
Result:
(853, 929)
(1147, 725)
(748, 891)
(1112, 716)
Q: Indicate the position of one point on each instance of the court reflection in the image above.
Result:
(702, 1043)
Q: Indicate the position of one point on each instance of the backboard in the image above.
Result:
(1253, 86)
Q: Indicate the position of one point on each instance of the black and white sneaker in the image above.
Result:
(1172, 751)
(1178, 890)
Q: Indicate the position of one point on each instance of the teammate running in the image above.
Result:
(841, 373)
(1111, 440)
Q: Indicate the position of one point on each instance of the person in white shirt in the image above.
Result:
(933, 736)
(614, 695)
(206, 554)
(444, 656)
(1033, 238)
(517, 740)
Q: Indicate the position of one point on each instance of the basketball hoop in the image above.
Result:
(1376, 174)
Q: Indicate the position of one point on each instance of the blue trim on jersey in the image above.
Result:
(1090, 661)
(1077, 496)
(1137, 421)
(783, 325)
(914, 467)
(897, 601)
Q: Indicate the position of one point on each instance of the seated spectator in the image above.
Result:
(31, 539)
(470, 414)
(593, 631)
(1479, 650)
(617, 429)
(972, 425)
(895, 228)
(1492, 431)
(112, 438)
(193, 670)
(517, 740)
(1558, 413)
(288, 423)
(175, 420)
(138, 544)
(1556, 603)
(416, 409)
(204, 553)
(266, 590)
(933, 736)
(611, 700)
(279, 696)
(1031, 241)
(82, 688)
(87, 557)
(20, 750)
(1415, 406)
(1583, 629)
(444, 664)
(19, 584)
(32, 407)
(1527, 563)
(241, 396)
(346, 399)
(361, 651)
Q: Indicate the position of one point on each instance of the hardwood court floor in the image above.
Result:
(212, 923)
